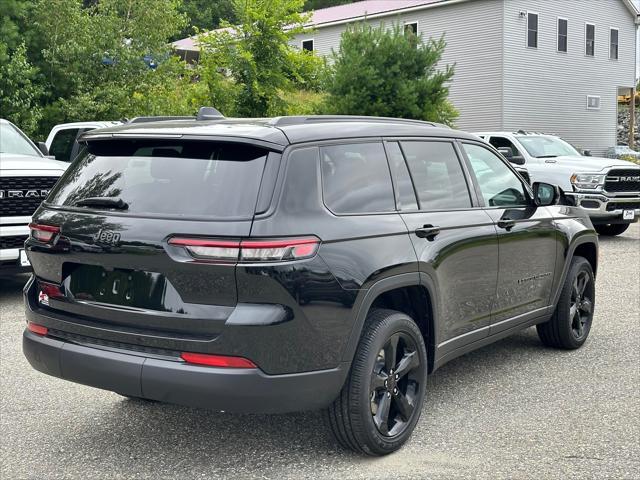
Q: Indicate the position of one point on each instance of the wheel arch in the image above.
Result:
(585, 246)
(408, 293)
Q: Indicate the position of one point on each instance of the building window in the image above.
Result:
(411, 27)
(593, 102)
(613, 44)
(307, 45)
(562, 34)
(590, 39)
(532, 30)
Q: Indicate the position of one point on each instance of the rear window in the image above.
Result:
(178, 179)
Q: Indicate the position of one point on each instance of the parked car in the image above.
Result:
(622, 151)
(26, 176)
(62, 141)
(297, 263)
(608, 189)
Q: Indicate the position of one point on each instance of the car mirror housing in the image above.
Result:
(545, 194)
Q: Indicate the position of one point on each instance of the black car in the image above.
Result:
(296, 263)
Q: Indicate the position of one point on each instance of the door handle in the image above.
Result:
(506, 224)
(428, 231)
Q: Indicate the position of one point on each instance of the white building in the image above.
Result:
(555, 66)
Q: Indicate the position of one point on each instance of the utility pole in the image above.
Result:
(632, 118)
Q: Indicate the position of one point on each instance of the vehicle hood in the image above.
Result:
(580, 164)
(30, 162)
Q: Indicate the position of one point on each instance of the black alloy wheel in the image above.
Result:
(581, 309)
(395, 383)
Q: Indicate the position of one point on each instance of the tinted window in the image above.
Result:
(356, 179)
(405, 193)
(532, 30)
(12, 141)
(62, 144)
(500, 187)
(562, 35)
(191, 179)
(437, 175)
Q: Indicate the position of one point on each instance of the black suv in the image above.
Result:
(295, 263)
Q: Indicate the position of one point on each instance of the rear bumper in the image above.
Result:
(174, 381)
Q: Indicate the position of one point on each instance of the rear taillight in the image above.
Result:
(217, 360)
(43, 233)
(37, 329)
(249, 251)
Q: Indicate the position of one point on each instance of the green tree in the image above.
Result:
(20, 94)
(205, 15)
(257, 57)
(317, 4)
(385, 72)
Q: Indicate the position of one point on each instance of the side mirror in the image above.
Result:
(545, 194)
(506, 152)
(586, 153)
(43, 148)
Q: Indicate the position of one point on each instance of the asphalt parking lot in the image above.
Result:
(510, 410)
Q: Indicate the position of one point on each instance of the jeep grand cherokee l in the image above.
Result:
(295, 263)
(608, 189)
(26, 176)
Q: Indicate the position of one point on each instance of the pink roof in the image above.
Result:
(360, 9)
(339, 13)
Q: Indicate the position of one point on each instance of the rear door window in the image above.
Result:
(356, 179)
(437, 175)
(180, 179)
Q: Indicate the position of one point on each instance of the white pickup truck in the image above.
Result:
(607, 189)
(26, 176)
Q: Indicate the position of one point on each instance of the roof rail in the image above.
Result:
(301, 120)
(157, 119)
(209, 113)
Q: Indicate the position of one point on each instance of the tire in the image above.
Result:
(612, 229)
(351, 416)
(571, 322)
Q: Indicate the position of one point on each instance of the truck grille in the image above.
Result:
(13, 241)
(623, 180)
(20, 196)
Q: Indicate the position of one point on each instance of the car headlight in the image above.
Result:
(587, 180)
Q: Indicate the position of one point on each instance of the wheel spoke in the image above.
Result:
(579, 326)
(404, 407)
(572, 311)
(381, 418)
(582, 283)
(407, 363)
(587, 306)
(377, 381)
(391, 353)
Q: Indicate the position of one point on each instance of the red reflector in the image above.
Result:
(51, 290)
(37, 329)
(43, 233)
(217, 360)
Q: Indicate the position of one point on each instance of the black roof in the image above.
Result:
(278, 132)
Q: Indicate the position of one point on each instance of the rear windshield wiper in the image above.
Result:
(106, 202)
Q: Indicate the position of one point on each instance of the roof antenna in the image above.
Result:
(209, 113)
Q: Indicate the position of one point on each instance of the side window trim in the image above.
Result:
(394, 175)
(526, 187)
